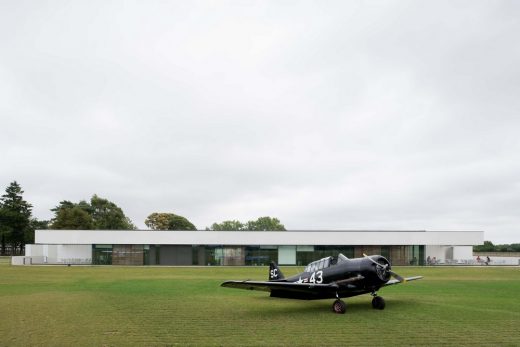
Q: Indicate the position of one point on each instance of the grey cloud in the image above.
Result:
(340, 115)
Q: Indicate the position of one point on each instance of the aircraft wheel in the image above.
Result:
(378, 303)
(339, 306)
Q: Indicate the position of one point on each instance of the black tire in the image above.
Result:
(339, 306)
(378, 303)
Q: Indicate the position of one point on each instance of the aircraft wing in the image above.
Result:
(395, 281)
(286, 286)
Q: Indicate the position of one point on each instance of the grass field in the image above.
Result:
(120, 306)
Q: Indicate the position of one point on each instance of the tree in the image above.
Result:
(100, 214)
(15, 218)
(262, 223)
(180, 223)
(157, 221)
(488, 246)
(72, 218)
(265, 223)
(228, 225)
(107, 215)
(168, 221)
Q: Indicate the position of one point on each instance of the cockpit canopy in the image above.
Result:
(325, 263)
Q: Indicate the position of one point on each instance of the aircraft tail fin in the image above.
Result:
(275, 273)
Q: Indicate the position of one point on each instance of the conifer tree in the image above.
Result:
(15, 218)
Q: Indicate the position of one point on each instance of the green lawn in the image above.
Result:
(120, 306)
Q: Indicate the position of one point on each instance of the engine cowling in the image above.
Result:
(383, 271)
(377, 267)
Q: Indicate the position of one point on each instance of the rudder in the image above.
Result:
(274, 272)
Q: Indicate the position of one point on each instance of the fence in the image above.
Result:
(475, 262)
(43, 260)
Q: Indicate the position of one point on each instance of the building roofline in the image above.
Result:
(278, 231)
(296, 237)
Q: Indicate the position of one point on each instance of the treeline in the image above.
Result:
(17, 225)
(262, 223)
(97, 214)
(488, 246)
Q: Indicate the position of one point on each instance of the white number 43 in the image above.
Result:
(316, 277)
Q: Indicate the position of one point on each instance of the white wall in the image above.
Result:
(23, 260)
(17, 260)
(463, 252)
(439, 252)
(281, 238)
(74, 253)
(51, 251)
(443, 253)
(34, 250)
(57, 254)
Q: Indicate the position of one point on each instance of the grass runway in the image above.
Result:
(179, 306)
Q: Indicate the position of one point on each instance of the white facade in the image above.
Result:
(52, 254)
(280, 238)
(443, 253)
(76, 246)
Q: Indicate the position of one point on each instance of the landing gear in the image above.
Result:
(378, 303)
(339, 306)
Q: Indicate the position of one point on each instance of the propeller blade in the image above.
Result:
(397, 277)
(375, 262)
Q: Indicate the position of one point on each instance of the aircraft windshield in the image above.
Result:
(318, 264)
(325, 263)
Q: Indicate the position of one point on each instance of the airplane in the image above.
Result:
(328, 278)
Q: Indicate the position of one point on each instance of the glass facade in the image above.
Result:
(102, 254)
(128, 255)
(245, 255)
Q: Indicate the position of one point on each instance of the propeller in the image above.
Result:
(385, 268)
(397, 277)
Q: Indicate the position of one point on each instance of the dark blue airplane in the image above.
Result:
(330, 277)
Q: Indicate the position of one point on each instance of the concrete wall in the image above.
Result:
(280, 238)
(24, 260)
(439, 252)
(447, 253)
(462, 252)
(52, 254)
(34, 250)
(51, 251)
(74, 253)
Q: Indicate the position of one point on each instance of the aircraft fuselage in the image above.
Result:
(353, 277)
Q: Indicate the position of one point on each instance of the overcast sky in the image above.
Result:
(326, 115)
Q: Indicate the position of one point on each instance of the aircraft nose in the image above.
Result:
(383, 268)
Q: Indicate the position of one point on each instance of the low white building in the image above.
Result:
(158, 247)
